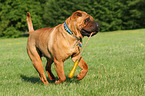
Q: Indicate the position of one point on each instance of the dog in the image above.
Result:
(59, 43)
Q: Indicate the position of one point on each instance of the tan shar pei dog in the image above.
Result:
(59, 43)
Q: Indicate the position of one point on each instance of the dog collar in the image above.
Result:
(71, 33)
(67, 29)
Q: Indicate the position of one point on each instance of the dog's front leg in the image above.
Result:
(60, 72)
(83, 65)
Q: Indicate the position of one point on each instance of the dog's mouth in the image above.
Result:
(92, 26)
(87, 33)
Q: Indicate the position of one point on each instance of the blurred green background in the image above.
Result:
(111, 14)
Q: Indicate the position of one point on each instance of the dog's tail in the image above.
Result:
(29, 22)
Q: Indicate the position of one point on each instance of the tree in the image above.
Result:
(13, 16)
(111, 14)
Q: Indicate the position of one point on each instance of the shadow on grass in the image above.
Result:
(38, 81)
(31, 79)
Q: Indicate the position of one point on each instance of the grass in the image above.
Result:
(116, 62)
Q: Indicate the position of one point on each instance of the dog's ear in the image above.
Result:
(77, 14)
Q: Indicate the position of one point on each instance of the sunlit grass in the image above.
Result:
(116, 62)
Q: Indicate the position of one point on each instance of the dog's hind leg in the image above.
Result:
(37, 63)
(48, 69)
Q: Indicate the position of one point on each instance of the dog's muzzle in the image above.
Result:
(92, 26)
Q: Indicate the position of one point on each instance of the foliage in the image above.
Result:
(111, 14)
(13, 16)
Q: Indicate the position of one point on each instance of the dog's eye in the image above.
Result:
(87, 20)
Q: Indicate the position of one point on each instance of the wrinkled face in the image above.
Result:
(89, 27)
(85, 23)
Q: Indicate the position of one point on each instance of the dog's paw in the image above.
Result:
(57, 82)
(52, 79)
(46, 83)
(81, 75)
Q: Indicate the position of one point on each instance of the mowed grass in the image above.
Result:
(116, 62)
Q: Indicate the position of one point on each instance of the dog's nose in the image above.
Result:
(97, 26)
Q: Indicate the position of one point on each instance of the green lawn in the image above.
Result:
(116, 62)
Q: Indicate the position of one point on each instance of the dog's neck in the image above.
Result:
(71, 33)
(67, 29)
